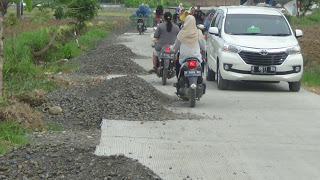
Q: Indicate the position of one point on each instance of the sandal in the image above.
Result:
(153, 70)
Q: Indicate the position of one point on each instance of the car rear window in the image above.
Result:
(256, 24)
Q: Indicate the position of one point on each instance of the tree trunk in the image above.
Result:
(19, 10)
(1, 55)
(45, 49)
(3, 11)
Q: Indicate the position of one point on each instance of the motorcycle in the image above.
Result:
(157, 22)
(165, 68)
(190, 86)
(140, 26)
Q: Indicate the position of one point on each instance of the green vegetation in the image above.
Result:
(11, 134)
(23, 71)
(312, 77)
(54, 127)
(114, 13)
(314, 18)
(153, 3)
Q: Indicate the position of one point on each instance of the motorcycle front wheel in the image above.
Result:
(164, 76)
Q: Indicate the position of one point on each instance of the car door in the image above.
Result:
(213, 41)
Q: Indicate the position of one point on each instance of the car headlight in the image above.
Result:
(231, 48)
(293, 50)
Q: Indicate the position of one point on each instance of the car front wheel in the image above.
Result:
(295, 86)
(222, 83)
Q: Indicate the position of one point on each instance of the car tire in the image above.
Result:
(295, 86)
(222, 83)
(210, 75)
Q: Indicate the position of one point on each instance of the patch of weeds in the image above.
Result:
(313, 18)
(3, 147)
(12, 132)
(54, 127)
(91, 38)
(311, 77)
(21, 113)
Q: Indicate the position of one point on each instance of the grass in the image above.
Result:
(314, 18)
(54, 127)
(100, 13)
(11, 135)
(311, 77)
(3, 147)
(114, 14)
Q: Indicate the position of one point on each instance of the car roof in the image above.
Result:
(250, 10)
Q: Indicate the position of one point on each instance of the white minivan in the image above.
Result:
(247, 43)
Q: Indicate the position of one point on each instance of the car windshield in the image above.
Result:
(256, 24)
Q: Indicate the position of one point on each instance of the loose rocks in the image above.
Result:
(55, 110)
(123, 98)
(109, 59)
(54, 162)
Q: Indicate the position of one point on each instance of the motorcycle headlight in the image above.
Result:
(293, 50)
(231, 48)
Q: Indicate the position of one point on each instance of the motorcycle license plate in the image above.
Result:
(163, 55)
(263, 69)
(192, 73)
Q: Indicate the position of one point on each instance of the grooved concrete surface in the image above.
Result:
(254, 131)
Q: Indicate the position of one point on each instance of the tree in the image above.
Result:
(307, 4)
(82, 11)
(3, 10)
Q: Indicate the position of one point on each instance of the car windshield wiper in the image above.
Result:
(280, 34)
(254, 34)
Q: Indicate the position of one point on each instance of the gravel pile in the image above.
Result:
(65, 162)
(123, 98)
(109, 59)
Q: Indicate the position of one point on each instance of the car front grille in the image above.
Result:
(255, 58)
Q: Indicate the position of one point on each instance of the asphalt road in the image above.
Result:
(253, 131)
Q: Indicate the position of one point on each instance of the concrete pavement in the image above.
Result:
(254, 131)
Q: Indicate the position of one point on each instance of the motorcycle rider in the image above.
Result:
(189, 41)
(159, 14)
(166, 33)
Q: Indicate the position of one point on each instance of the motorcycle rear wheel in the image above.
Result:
(140, 30)
(193, 97)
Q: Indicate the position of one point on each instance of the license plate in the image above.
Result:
(140, 24)
(163, 55)
(263, 69)
(192, 73)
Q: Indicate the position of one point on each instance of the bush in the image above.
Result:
(84, 10)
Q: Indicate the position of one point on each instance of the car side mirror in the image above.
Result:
(298, 33)
(214, 31)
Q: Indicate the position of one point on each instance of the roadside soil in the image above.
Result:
(68, 154)
(310, 45)
(310, 48)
